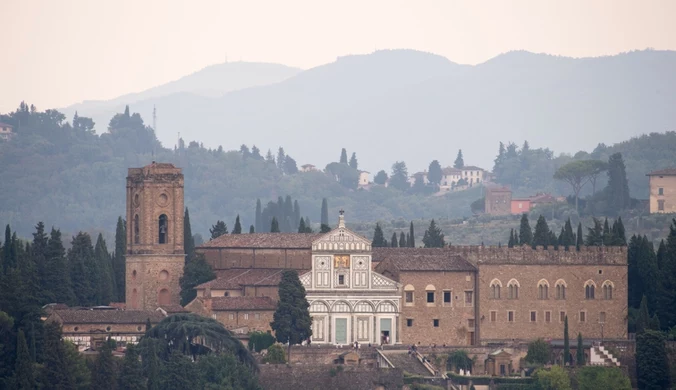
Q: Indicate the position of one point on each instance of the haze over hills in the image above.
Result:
(413, 106)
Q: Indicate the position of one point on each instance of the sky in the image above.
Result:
(60, 52)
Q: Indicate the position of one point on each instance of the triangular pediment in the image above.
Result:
(341, 237)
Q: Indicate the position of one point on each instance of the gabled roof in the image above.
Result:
(242, 303)
(451, 171)
(235, 279)
(472, 168)
(173, 309)
(663, 172)
(341, 235)
(422, 259)
(108, 316)
(263, 240)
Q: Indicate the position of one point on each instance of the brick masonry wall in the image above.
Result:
(238, 320)
(227, 258)
(150, 279)
(453, 318)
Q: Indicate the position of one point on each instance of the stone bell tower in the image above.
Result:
(155, 256)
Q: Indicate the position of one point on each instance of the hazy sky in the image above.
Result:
(60, 52)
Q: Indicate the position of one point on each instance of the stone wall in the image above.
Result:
(255, 320)
(148, 275)
(294, 377)
(527, 255)
(226, 258)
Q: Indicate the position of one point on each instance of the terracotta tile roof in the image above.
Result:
(472, 168)
(118, 305)
(422, 259)
(232, 279)
(108, 316)
(242, 303)
(175, 308)
(263, 240)
(663, 172)
(451, 171)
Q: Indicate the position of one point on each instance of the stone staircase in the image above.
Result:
(406, 362)
(602, 357)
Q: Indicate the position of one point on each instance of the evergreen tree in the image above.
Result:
(343, 156)
(238, 226)
(256, 153)
(661, 255)
(667, 280)
(280, 158)
(252, 229)
(55, 369)
(178, 373)
(516, 238)
(380, 178)
(290, 166)
(291, 321)
(288, 217)
(568, 236)
(595, 234)
(399, 177)
(655, 323)
(195, 273)
(353, 161)
(553, 241)
(607, 235)
(579, 359)
(118, 260)
(301, 226)
(618, 187)
(378, 237)
(393, 240)
(57, 274)
(634, 282)
(7, 250)
(296, 214)
(525, 233)
(82, 268)
(219, 229)
(325, 216)
(643, 320)
(40, 242)
(402, 240)
(435, 173)
(269, 157)
(274, 226)
(459, 162)
(105, 287)
(541, 236)
(188, 240)
(411, 235)
(510, 243)
(652, 363)
(131, 374)
(566, 343)
(151, 364)
(103, 374)
(258, 223)
(246, 153)
(434, 237)
(619, 235)
(24, 372)
(579, 238)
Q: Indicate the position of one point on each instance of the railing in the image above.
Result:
(382, 361)
(425, 363)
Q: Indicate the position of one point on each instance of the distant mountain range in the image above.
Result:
(412, 106)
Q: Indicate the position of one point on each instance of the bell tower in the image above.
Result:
(155, 255)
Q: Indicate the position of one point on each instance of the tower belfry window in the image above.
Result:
(137, 235)
(163, 228)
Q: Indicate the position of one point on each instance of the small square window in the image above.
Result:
(470, 323)
(510, 316)
(436, 323)
(409, 322)
(600, 272)
(660, 191)
(430, 297)
(548, 316)
(583, 316)
(602, 317)
(341, 280)
(533, 316)
(494, 316)
(447, 297)
(409, 296)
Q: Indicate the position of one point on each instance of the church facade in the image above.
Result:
(349, 302)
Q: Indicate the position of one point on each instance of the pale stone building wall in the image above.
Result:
(663, 191)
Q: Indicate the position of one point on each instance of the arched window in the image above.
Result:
(513, 288)
(164, 298)
(137, 234)
(409, 294)
(589, 288)
(560, 289)
(543, 289)
(163, 228)
(495, 288)
(607, 289)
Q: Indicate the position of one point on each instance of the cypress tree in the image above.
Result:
(459, 161)
(296, 213)
(188, 241)
(525, 233)
(378, 237)
(634, 283)
(569, 236)
(661, 255)
(607, 236)
(151, 365)
(219, 229)
(541, 236)
(516, 238)
(595, 234)
(40, 241)
(103, 374)
(648, 272)
(652, 363)
(178, 372)
(7, 250)
(105, 287)
(274, 225)
(618, 187)
(620, 235)
(434, 237)
(258, 223)
(24, 373)
(119, 262)
(195, 273)
(667, 280)
(411, 234)
(579, 239)
(281, 157)
(55, 367)
(553, 241)
(83, 269)
(393, 241)
(325, 216)
(238, 226)
(580, 351)
(353, 161)
(291, 320)
(131, 374)
(643, 320)
(287, 221)
(408, 240)
(566, 343)
(343, 156)
(562, 238)
(655, 323)
(57, 275)
(252, 229)
(301, 226)
(510, 242)
(402, 240)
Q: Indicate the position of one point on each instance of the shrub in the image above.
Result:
(539, 352)
(459, 360)
(275, 355)
(554, 378)
(259, 341)
(602, 378)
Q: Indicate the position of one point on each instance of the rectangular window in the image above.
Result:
(231, 316)
(494, 316)
(341, 280)
(583, 316)
(562, 317)
(430, 297)
(660, 191)
(447, 297)
(533, 316)
(510, 316)
(470, 323)
(602, 317)
(409, 322)
(409, 296)
(257, 316)
(548, 316)
(660, 205)
(246, 316)
(469, 298)
(435, 323)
